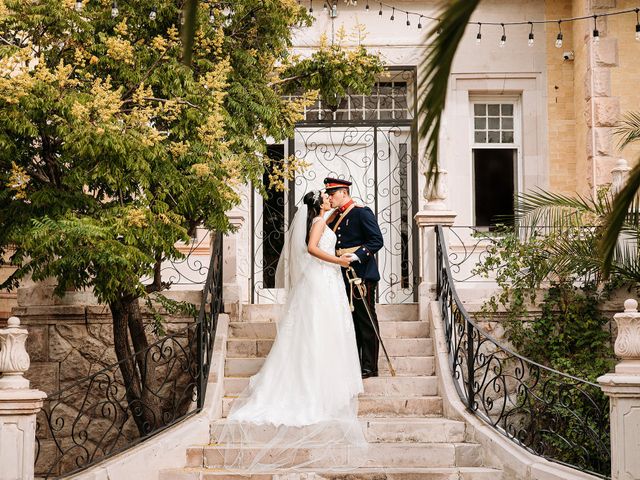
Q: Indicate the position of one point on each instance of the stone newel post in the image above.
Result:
(623, 389)
(18, 405)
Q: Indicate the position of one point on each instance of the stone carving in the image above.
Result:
(627, 346)
(436, 194)
(14, 359)
(619, 175)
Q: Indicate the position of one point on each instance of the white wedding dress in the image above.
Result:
(301, 409)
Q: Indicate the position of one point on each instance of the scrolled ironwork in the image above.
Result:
(94, 418)
(557, 416)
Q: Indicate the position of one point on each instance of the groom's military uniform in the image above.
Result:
(358, 233)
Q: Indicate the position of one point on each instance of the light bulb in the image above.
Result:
(78, 6)
(596, 37)
(559, 41)
(503, 40)
(478, 38)
(531, 40)
(153, 14)
(367, 7)
(638, 32)
(325, 9)
(114, 10)
(212, 16)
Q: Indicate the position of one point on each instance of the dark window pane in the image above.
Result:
(507, 123)
(480, 123)
(507, 136)
(507, 109)
(272, 221)
(386, 115)
(371, 103)
(494, 123)
(494, 136)
(494, 109)
(480, 137)
(386, 102)
(493, 185)
(480, 109)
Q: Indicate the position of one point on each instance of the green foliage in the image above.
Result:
(112, 149)
(333, 72)
(569, 335)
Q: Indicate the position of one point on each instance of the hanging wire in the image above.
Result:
(479, 34)
(559, 37)
(408, 22)
(393, 14)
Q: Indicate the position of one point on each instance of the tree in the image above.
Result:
(112, 150)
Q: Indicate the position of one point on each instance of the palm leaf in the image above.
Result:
(554, 211)
(444, 39)
(628, 129)
(624, 209)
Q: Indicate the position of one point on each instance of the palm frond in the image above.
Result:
(625, 200)
(628, 129)
(444, 39)
(540, 208)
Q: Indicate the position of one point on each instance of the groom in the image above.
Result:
(359, 237)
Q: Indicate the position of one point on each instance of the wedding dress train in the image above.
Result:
(301, 409)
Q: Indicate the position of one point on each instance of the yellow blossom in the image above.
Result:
(136, 218)
(201, 169)
(178, 149)
(94, 60)
(18, 181)
(119, 49)
(121, 28)
(174, 34)
(159, 43)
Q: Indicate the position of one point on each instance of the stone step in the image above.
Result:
(389, 455)
(382, 406)
(267, 330)
(404, 366)
(409, 386)
(383, 473)
(396, 347)
(380, 430)
(386, 313)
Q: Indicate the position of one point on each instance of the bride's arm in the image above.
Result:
(314, 237)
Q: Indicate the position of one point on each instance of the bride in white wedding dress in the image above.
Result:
(301, 409)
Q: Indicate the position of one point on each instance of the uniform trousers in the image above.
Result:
(366, 338)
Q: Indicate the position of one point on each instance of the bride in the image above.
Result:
(301, 409)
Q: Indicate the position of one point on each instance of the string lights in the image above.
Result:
(331, 7)
(503, 25)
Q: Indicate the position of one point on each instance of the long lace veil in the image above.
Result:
(294, 259)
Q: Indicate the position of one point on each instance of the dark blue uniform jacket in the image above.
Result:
(360, 228)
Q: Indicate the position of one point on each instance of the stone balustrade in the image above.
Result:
(623, 388)
(18, 405)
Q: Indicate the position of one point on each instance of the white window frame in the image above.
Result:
(516, 145)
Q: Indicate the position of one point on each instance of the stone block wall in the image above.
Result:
(67, 343)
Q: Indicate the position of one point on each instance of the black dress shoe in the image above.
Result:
(369, 373)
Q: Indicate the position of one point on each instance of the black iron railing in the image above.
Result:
(554, 415)
(92, 419)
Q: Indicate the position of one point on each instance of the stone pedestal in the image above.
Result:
(623, 389)
(427, 220)
(18, 406)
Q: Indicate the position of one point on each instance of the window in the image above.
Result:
(272, 221)
(389, 100)
(493, 123)
(495, 160)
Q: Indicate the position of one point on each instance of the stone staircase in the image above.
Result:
(401, 416)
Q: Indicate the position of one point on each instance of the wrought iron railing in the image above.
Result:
(92, 419)
(554, 415)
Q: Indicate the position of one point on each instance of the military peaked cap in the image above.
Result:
(331, 184)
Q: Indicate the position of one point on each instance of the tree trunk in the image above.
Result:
(136, 364)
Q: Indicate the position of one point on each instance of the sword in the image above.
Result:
(353, 278)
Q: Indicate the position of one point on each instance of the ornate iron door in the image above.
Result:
(369, 140)
(378, 160)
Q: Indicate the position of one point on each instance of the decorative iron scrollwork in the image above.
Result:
(554, 415)
(91, 419)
